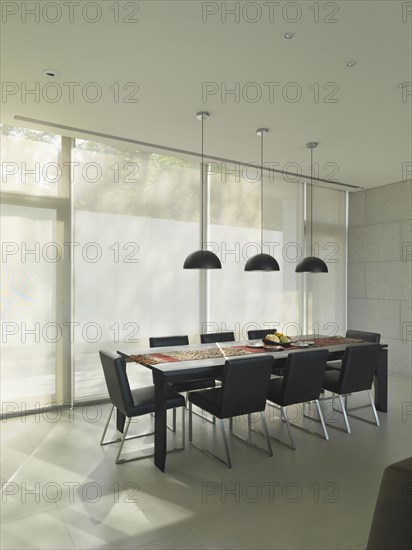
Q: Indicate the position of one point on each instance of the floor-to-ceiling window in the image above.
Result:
(242, 300)
(326, 293)
(136, 217)
(94, 236)
(34, 212)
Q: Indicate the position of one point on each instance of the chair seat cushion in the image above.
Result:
(208, 400)
(143, 400)
(333, 365)
(190, 385)
(275, 388)
(331, 380)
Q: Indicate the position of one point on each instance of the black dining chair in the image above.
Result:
(164, 341)
(337, 365)
(302, 383)
(217, 337)
(356, 375)
(360, 335)
(243, 392)
(258, 334)
(187, 385)
(132, 403)
(363, 335)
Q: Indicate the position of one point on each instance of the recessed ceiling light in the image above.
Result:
(350, 63)
(51, 73)
(288, 35)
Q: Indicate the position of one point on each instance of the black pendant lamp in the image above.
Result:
(202, 259)
(311, 264)
(261, 262)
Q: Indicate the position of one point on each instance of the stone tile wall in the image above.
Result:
(380, 268)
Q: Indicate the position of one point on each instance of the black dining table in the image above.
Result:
(178, 371)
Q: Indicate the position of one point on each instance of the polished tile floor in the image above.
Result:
(61, 490)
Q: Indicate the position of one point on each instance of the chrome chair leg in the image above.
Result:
(373, 408)
(342, 411)
(124, 438)
(325, 431)
(349, 409)
(321, 419)
(228, 463)
(126, 429)
(285, 416)
(345, 416)
(117, 440)
(375, 414)
(248, 440)
(105, 428)
(289, 424)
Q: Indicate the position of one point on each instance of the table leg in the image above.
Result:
(381, 382)
(160, 420)
(120, 420)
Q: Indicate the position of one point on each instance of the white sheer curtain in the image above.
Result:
(31, 257)
(134, 225)
(135, 217)
(241, 300)
(327, 296)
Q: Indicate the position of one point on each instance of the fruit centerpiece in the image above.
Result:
(276, 339)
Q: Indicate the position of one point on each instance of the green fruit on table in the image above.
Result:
(283, 339)
(273, 338)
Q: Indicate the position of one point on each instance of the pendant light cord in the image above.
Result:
(202, 191)
(311, 201)
(261, 192)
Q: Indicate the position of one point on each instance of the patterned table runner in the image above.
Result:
(151, 359)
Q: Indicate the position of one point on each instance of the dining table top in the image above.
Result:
(176, 367)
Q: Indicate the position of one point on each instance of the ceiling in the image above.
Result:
(175, 57)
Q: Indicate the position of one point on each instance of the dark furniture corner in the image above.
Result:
(391, 524)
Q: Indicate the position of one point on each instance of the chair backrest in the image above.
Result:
(211, 337)
(163, 341)
(304, 376)
(114, 368)
(258, 334)
(362, 335)
(358, 368)
(245, 385)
